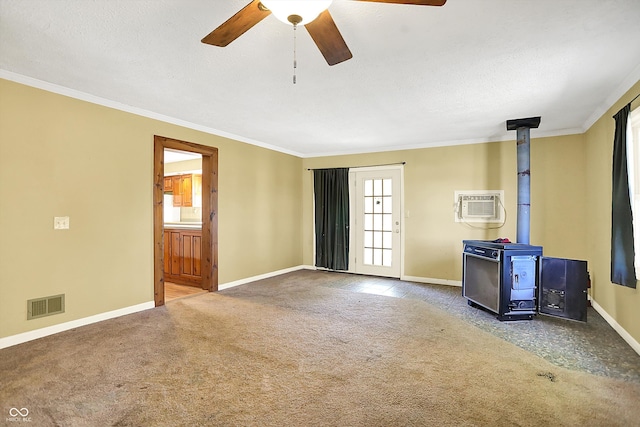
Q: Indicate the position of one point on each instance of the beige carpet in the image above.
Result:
(284, 352)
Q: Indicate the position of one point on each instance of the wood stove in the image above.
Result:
(514, 281)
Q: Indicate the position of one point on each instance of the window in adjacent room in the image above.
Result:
(633, 159)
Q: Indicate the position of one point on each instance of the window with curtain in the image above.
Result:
(331, 195)
(623, 248)
(633, 145)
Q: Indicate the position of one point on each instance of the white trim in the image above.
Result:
(432, 281)
(72, 93)
(263, 276)
(394, 166)
(635, 345)
(403, 222)
(76, 94)
(450, 143)
(54, 329)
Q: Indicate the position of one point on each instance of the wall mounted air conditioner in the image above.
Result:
(479, 206)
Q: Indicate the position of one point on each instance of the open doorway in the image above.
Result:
(182, 224)
(208, 242)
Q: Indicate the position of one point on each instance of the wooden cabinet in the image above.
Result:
(191, 254)
(176, 184)
(186, 189)
(168, 183)
(171, 253)
(183, 256)
(196, 190)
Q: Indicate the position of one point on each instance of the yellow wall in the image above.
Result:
(60, 156)
(64, 157)
(570, 197)
(621, 303)
(433, 240)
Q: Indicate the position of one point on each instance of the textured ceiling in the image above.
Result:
(419, 77)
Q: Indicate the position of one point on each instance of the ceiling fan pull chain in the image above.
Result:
(295, 62)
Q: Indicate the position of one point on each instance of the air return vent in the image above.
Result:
(41, 307)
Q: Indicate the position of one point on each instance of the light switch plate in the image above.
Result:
(60, 222)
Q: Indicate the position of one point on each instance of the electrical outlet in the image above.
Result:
(60, 222)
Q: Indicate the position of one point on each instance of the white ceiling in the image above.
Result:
(174, 156)
(419, 77)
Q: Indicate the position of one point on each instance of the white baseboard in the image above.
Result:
(635, 345)
(263, 276)
(432, 281)
(54, 329)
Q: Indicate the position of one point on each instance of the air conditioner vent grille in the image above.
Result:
(485, 208)
(479, 206)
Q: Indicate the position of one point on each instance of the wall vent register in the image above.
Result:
(46, 306)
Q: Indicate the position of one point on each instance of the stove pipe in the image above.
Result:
(522, 127)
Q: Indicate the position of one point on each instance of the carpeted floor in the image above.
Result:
(300, 350)
(593, 346)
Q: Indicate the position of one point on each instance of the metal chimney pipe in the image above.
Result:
(522, 128)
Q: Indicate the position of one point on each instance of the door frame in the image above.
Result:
(209, 213)
(352, 202)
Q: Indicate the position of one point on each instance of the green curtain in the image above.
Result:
(331, 189)
(623, 271)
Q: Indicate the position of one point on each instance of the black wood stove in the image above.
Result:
(516, 282)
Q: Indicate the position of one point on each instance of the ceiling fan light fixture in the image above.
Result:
(308, 10)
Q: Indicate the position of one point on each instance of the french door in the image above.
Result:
(375, 221)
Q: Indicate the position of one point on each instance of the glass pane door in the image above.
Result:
(375, 235)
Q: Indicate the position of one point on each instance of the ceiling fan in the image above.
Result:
(313, 14)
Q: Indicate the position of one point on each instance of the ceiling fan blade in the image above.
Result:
(327, 37)
(238, 24)
(414, 2)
